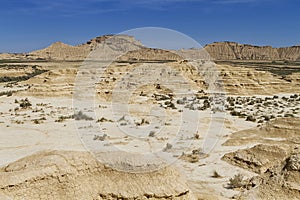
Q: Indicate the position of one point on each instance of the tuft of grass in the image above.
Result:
(168, 147)
(216, 175)
(236, 181)
(151, 134)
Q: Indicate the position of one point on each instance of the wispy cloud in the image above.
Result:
(78, 7)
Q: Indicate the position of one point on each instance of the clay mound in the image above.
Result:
(77, 175)
(54, 83)
(258, 158)
(278, 182)
(278, 165)
(278, 131)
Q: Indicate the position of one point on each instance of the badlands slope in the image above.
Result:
(229, 129)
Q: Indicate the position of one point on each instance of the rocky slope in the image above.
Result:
(275, 158)
(236, 51)
(61, 51)
(77, 175)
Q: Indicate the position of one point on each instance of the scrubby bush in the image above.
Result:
(82, 116)
(103, 119)
(39, 121)
(234, 113)
(180, 102)
(216, 175)
(63, 118)
(267, 118)
(151, 134)
(236, 181)
(294, 96)
(101, 138)
(288, 115)
(250, 118)
(168, 147)
(7, 93)
(25, 103)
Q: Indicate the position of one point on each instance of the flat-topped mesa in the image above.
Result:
(236, 51)
(115, 40)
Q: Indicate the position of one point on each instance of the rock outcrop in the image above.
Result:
(77, 175)
(279, 181)
(259, 158)
(277, 164)
(236, 51)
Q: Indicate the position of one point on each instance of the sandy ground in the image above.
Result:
(20, 140)
(151, 129)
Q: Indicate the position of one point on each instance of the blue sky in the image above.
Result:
(33, 24)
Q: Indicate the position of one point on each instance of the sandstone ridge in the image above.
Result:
(236, 51)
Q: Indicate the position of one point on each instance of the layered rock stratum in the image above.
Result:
(236, 51)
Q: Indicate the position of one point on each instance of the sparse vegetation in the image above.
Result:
(63, 118)
(168, 147)
(7, 93)
(236, 181)
(216, 175)
(81, 116)
(151, 134)
(39, 121)
(100, 138)
(36, 72)
(103, 119)
(24, 103)
(250, 118)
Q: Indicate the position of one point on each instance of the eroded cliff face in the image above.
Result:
(235, 51)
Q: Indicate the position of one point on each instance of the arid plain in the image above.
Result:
(227, 121)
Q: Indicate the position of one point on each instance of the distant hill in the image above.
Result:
(61, 51)
(125, 43)
(236, 51)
